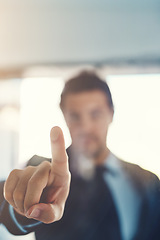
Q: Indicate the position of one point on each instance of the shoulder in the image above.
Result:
(141, 177)
(36, 160)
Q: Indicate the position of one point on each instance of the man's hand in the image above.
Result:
(41, 192)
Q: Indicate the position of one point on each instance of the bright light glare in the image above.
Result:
(135, 132)
(39, 113)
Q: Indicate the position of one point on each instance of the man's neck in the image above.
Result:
(100, 159)
(97, 159)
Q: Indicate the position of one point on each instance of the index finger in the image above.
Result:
(59, 155)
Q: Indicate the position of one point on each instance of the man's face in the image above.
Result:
(88, 116)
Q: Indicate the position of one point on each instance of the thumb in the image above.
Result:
(46, 213)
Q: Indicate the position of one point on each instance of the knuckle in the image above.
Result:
(61, 211)
(31, 181)
(45, 164)
(68, 175)
(35, 181)
(14, 172)
(8, 195)
(29, 168)
(18, 196)
(42, 171)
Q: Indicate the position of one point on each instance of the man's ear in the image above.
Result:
(65, 117)
(111, 116)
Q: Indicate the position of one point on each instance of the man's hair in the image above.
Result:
(86, 81)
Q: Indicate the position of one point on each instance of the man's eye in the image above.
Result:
(96, 115)
(74, 118)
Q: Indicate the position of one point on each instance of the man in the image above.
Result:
(109, 198)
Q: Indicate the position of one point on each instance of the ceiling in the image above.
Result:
(49, 32)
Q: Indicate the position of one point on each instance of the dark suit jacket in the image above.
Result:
(76, 225)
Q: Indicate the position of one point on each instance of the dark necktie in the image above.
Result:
(91, 213)
(105, 223)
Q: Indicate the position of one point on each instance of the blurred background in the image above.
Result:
(44, 42)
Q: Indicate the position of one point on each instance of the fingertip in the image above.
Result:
(42, 212)
(35, 213)
(55, 133)
(57, 146)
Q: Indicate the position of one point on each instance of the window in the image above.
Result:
(135, 132)
(9, 125)
(39, 113)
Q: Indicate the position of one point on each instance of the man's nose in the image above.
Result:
(86, 125)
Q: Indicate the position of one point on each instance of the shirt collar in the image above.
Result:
(113, 164)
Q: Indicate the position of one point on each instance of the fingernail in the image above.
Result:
(35, 213)
(55, 133)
